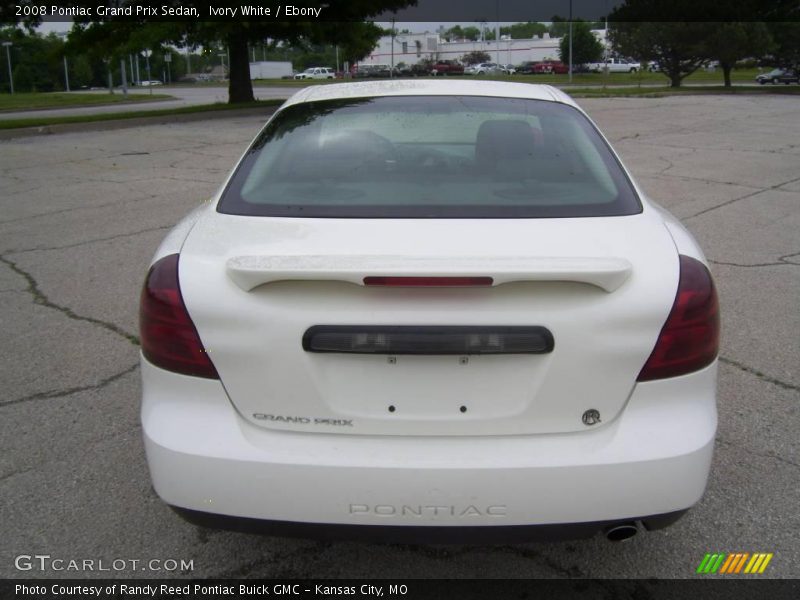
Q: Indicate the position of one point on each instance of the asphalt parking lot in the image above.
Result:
(82, 214)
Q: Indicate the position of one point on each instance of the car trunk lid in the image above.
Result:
(601, 287)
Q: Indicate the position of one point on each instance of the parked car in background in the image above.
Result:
(616, 65)
(447, 67)
(323, 352)
(776, 76)
(526, 68)
(489, 68)
(150, 82)
(317, 73)
(508, 69)
(384, 71)
(416, 70)
(362, 71)
(550, 67)
(380, 70)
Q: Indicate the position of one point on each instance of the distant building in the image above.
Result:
(410, 48)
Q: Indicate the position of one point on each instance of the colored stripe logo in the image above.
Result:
(734, 563)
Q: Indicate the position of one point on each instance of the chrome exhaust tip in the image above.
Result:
(621, 532)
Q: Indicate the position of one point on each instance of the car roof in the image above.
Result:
(429, 87)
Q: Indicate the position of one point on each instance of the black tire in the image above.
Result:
(633, 70)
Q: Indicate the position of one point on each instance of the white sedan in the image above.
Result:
(430, 310)
(484, 69)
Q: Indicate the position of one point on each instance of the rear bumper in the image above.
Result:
(652, 460)
(416, 534)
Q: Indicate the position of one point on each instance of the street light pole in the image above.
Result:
(8, 58)
(497, 29)
(391, 69)
(147, 54)
(570, 41)
(168, 60)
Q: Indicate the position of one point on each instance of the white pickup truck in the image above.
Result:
(615, 65)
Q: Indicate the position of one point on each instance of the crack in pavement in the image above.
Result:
(92, 241)
(13, 473)
(767, 455)
(782, 260)
(728, 202)
(640, 140)
(759, 374)
(73, 390)
(40, 298)
(520, 551)
(528, 554)
(309, 554)
(74, 208)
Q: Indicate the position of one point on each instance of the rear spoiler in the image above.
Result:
(249, 272)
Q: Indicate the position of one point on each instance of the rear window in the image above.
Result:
(429, 157)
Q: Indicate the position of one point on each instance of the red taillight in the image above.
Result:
(428, 281)
(169, 338)
(689, 339)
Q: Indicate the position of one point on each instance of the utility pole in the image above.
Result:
(570, 41)
(124, 76)
(497, 30)
(8, 59)
(66, 73)
(391, 70)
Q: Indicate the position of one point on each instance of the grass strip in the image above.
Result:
(651, 92)
(33, 101)
(184, 110)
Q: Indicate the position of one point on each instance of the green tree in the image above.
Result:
(475, 57)
(80, 72)
(36, 60)
(785, 51)
(679, 48)
(559, 26)
(682, 34)
(114, 37)
(457, 32)
(586, 47)
(524, 31)
(454, 33)
(472, 33)
(731, 42)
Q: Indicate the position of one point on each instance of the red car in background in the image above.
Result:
(549, 67)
